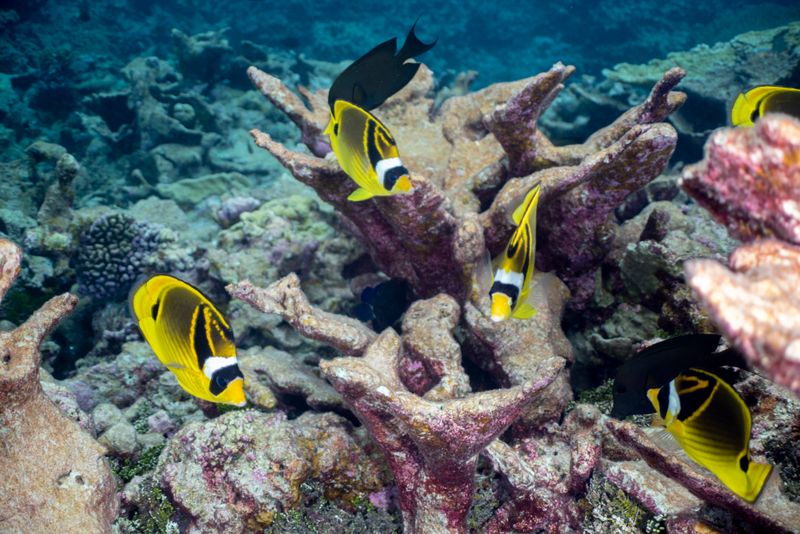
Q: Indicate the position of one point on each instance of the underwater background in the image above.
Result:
(128, 149)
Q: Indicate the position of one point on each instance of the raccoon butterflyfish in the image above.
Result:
(190, 337)
(752, 104)
(512, 280)
(366, 152)
(659, 363)
(712, 424)
(378, 74)
(363, 146)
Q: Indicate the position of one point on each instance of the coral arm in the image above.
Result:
(311, 122)
(286, 299)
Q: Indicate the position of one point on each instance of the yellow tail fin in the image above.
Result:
(360, 194)
(757, 475)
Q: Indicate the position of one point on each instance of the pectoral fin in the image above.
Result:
(360, 194)
(525, 311)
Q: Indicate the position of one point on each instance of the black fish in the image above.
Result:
(658, 364)
(383, 304)
(379, 73)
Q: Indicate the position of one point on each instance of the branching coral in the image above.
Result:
(431, 442)
(476, 151)
(49, 464)
(433, 236)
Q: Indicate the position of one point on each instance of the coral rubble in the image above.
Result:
(53, 472)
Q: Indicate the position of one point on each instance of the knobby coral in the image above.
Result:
(49, 464)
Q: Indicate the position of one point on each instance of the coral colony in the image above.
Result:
(262, 399)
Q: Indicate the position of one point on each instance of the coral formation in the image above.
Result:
(749, 181)
(49, 464)
(441, 237)
(431, 443)
(113, 252)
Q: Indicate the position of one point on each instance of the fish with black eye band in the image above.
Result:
(365, 149)
(190, 337)
(510, 292)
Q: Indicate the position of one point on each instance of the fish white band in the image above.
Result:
(509, 277)
(216, 363)
(384, 165)
(674, 400)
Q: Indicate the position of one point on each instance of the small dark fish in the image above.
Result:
(383, 304)
(379, 73)
(658, 364)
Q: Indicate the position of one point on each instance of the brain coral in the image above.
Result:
(112, 253)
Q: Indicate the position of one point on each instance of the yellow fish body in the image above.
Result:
(367, 152)
(512, 281)
(712, 424)
(751, 105)
(190, 337)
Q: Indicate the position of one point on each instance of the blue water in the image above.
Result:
(500, 40)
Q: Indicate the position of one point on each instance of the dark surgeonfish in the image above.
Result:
(365, 149)
(709, 419)
(752, 104)
(656, 365)
(379, 73)
(190, 337)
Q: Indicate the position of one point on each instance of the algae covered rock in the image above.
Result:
(233, 474)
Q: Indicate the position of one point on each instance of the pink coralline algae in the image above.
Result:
(750, 181)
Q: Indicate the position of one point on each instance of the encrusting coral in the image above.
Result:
(750, 181)
(54, 473)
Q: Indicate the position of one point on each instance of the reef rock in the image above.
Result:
(54, 473)
(233, 474)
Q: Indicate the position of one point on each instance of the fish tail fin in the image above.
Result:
(757, 475)
(413, 47)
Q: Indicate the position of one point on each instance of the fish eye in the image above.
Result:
(336, 129)
(744, 463)
(154, 309)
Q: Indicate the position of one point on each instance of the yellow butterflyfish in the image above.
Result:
(752, 104)
(709, 419)
(511, 287)
(190, 337)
